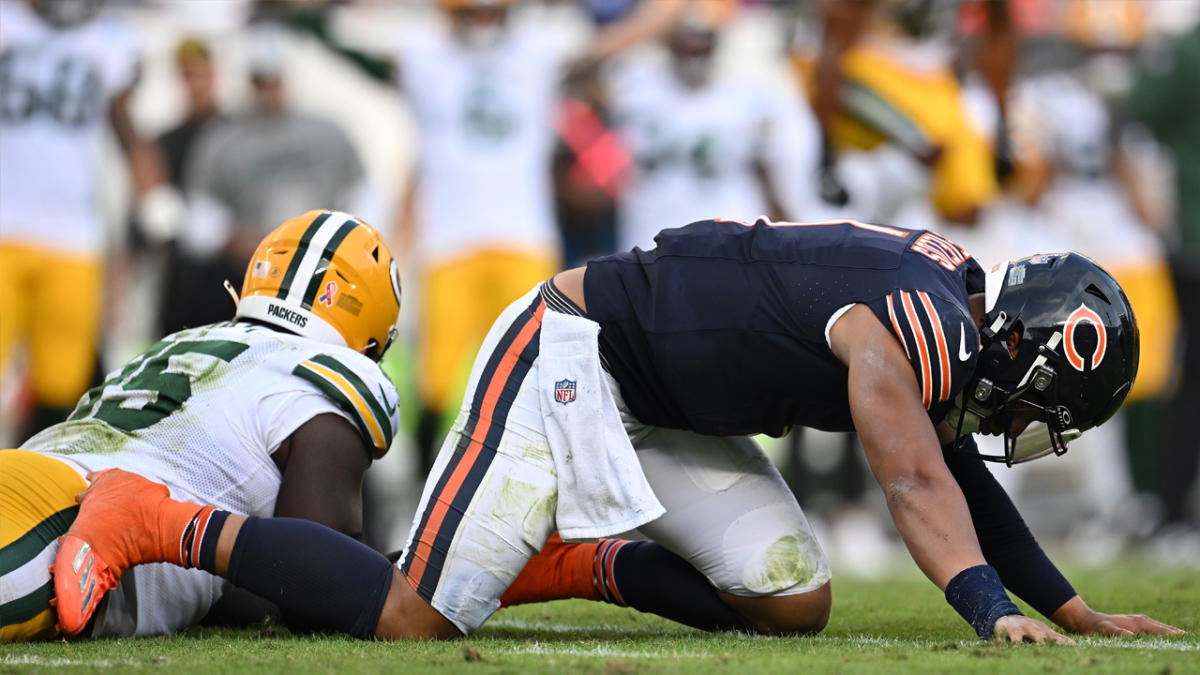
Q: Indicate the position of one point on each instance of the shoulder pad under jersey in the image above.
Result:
(359, 387)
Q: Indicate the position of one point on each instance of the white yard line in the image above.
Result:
(542, 649)
(603, 630)
(28, 660)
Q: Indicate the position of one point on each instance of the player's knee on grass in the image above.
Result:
(798, 614)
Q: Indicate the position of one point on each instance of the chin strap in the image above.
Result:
(232, 293)
(1037, 442)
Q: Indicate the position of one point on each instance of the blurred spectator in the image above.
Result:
(189, 298)
(62, 70)
(703, 144)
(590, 167)
(248, 173)
(1165, 98)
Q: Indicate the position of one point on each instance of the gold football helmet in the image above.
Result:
(328, 276)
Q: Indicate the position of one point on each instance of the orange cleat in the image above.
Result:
(124, 520)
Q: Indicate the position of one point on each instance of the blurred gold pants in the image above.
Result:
(460, 298)
(51, 304)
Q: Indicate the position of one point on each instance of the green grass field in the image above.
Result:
(885, 627)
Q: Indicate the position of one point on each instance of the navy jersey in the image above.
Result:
(722, 328)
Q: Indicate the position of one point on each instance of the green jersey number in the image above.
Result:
(151, 386)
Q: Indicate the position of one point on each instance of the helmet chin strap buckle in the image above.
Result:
(232, 293)
(990, 332)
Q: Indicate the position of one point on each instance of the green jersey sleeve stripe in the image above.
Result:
(343, 402)
(385, 422)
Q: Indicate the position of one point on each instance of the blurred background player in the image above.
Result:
(1163, 98)
(279, 412)
(704, 142)
(480, 219)
(253, 169)
(882, 81)
(479, 216)
(63, 72)
(1090, 198)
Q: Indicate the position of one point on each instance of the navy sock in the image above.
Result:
(321, 578)
(649, 578)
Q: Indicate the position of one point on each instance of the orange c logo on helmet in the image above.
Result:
(1080, 316)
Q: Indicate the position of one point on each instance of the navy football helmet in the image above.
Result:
(1074, 361)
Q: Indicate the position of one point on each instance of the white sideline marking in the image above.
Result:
(29, 660)
(1147, 643)
(541, 649)
(1144, 643)
(522, 624)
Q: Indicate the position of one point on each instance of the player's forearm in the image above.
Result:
(844, 22)
(932, 518)
(649, 21)
(1005, 540)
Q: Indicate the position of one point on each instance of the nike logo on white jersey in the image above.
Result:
(962, 345)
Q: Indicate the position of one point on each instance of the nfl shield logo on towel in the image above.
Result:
(564, 391)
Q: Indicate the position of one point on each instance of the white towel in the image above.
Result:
(601, 488)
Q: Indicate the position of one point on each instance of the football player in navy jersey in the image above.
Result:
(622, 395)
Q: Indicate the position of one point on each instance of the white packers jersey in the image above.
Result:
(694, 150)
(55, 87)
(203, 411)
(486, 123)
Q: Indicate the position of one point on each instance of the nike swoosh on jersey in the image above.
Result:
(962, 346)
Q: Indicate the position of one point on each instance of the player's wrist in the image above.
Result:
(1075, 616)
(978, 595)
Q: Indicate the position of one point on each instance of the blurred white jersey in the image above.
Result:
(486, 121)
(694, 150)
(55, 87)
(202, 411)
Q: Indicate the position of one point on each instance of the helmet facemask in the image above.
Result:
(1032, 402)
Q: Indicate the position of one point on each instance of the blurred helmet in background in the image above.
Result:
(693, 39)
(477, 24)
(66, 13)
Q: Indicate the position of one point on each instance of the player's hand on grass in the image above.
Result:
(1077, 617)
(1125, 624)
(1017, 628)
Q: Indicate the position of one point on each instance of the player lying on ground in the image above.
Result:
(277, 412)
(725, 329)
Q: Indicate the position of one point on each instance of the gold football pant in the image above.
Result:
(51, 305)
(460, 299)
(37, 505)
